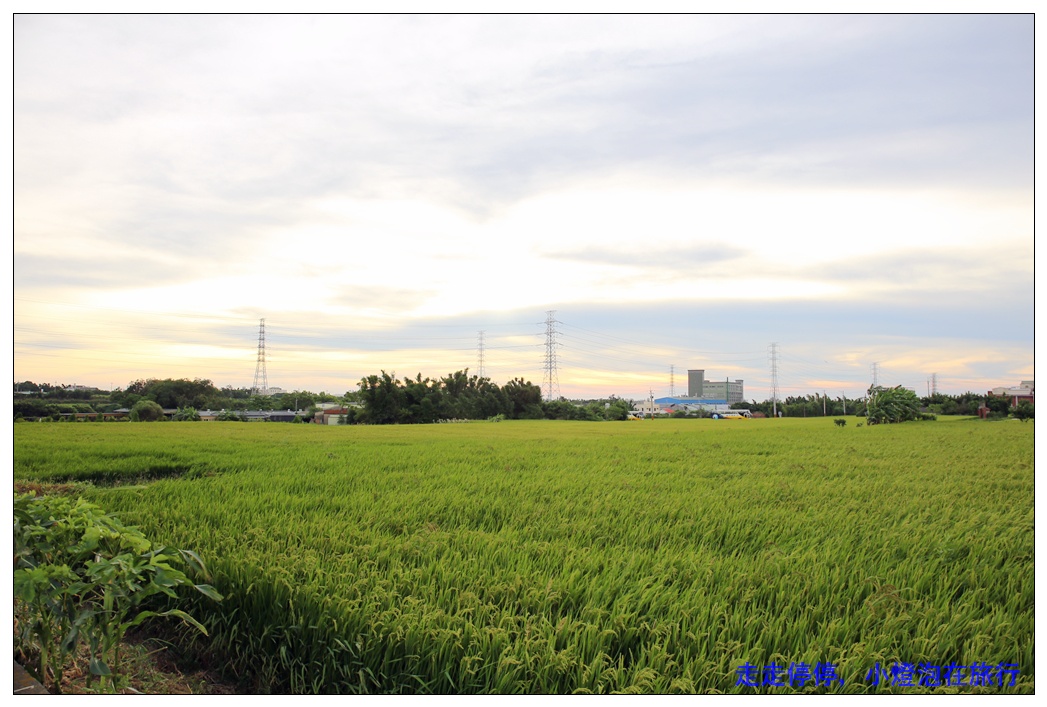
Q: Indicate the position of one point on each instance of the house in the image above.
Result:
(1023, 392)
(283, 415)
(330, 415)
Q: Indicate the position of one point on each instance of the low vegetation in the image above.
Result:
(82, 578)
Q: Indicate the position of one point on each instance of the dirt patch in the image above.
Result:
(41, 488)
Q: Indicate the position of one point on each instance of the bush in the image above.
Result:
(82, 577)
(230, 416)
(999, 404)
(186, 414)
(1024, 411)
(146, 411)
(895, 404)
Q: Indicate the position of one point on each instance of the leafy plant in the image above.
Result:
(186, 414)
(82, 577)
(895, 404)
(1024, 411)
(146, 411)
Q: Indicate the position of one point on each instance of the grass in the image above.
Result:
(529, 557)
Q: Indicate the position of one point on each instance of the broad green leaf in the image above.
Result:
(208, 591)
(99, 668)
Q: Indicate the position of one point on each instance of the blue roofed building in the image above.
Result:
(705, 394)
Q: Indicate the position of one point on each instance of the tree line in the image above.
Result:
(381, 399)
(385, 399)
(815, 405)
(34, 400)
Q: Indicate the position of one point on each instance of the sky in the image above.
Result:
(678, 191)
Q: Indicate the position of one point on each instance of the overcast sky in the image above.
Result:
(682, 190)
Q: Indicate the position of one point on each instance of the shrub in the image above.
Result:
(895, 404)
(1024, 411)
(230, 416)
(147, 411)
(83, 577)
(186, 414)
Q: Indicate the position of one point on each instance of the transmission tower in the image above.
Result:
(774, 378)
(480, 354)
(934, 384)
(672, 381)
(261, 381)
(551, 382)
(876, 373)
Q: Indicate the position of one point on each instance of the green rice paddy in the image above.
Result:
(561, 557)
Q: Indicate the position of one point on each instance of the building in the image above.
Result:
(699, 388)
(649, 408)
(1023, 392)
(684, 403)
(706, 394)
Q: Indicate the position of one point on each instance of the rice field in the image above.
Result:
(560, 557)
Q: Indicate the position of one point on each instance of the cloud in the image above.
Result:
(690, 259)
(1006, 270)
(375, 299)
(224, 105)
(856, 180)
(43, 272)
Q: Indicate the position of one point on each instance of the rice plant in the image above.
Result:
(560, 557)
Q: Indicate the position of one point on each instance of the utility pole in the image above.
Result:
(824, 396)
(552, 381)
(774, 378)
(843, 397)
(261, 381)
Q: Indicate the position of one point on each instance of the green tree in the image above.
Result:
(230, 416)
(382, 399)
(147, 411)
(1024, 411)
(619, 409)
(895, 404)
(524, 398)
(186, 414)
(999, 404)
(33, 408)
(562, 410)
(298, 400)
